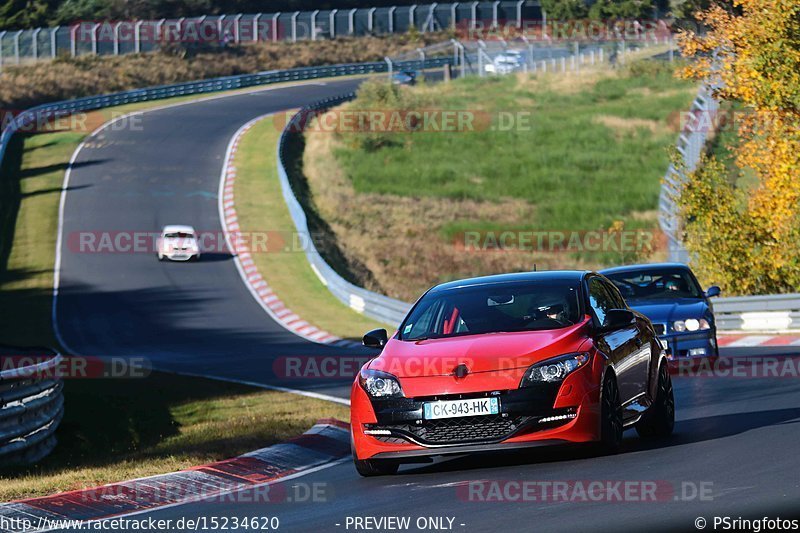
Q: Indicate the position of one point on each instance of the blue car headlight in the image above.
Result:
(691, 324)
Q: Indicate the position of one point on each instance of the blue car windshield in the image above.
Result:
(656, 284)
(493, 308)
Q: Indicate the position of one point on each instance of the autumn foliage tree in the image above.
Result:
(745, 233)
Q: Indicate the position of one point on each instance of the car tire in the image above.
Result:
(659, 420)
(160, 257)
(611, 426)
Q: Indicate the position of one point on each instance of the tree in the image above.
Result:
(748, 236)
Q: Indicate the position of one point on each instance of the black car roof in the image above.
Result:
(643, 267)
(549, 275)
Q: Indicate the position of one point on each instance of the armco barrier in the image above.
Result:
(374, 305)
(45, 112)
(741, 313)
(31, 407)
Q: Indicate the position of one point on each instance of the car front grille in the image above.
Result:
(459, 430)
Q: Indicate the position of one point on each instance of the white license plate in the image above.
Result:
(456, 408)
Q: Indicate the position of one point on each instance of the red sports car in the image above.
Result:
(510, 361)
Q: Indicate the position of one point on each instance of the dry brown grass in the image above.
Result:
(626, 124)
(24, 86)
(407, 252)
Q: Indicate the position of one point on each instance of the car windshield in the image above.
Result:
(179, 235)
(655, 284)
(493, 308)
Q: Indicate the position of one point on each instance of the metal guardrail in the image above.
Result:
(376, 306)
(31, 408)
(691, 143)
(43, 113)
(740, 313)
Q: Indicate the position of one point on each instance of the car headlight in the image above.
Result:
(379, 384)
(691, 324)
(554, 370)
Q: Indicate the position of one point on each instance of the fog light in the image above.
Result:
(377, 432)
(695, 352)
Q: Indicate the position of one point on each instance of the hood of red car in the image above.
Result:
(479, 353)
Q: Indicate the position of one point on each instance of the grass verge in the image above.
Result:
(159, 424)
(261, 209)
(590, 158)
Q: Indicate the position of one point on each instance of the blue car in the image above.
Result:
(670, 296)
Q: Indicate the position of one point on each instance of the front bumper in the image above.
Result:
(691, 345)
(552, 414)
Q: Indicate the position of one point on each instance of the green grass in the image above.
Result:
(261, 208)
(580, 170)
(120, 429)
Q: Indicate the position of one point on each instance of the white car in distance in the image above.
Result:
(178, 243)
(506, 62)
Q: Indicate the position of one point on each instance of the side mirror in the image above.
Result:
(377, 338)
(713, 291)
(618, 318)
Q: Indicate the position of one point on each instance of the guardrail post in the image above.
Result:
(314, 24)
(332, 23)
(351, 19)
(389, 66)
(237, 29)
(275, 26)
(35, 43)
(371, 19)
(294, 26)
(137, 36)
(53, 43)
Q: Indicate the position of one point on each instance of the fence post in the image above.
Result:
(35, 43)
(389, 66)
(314, 24)
(391, 18)
(474, 16)
(237, 20)
(137, 36)
(116, 38)
(371, 19)
(275, 26)
(73, 45)
(2, 35)
(16, 45)
(411, 11)
(95, 38)
(294, 26)
(256, 29)
(53, 43)
(453, 14)
(159, 28)
(332, 21)
(351, 20)
(432, 17)
(519, 13)
(495, 4)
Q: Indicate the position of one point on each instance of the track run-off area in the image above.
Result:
(733, 451)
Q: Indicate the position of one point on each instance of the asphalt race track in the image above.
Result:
(734, 448)
(195, 318)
